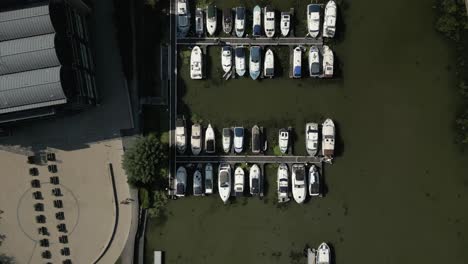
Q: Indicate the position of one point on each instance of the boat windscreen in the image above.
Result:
(226, 132)
(239, 132)
(240, 13)
(224, 179)
(313, 8)
(240, 52)
(300, 173)
(210, 145)
(315, 68)
(257, 30)
(209, 184)
(283, 189)
(269, 71)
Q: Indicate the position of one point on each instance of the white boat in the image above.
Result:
(227, 138)
(269, 67)
(269, 21)
(314, 62)
(328, 139)
(181, 182)
(227, 20)
(238, 139)
(211, 19)
(312, 137)
(197, 182)
(240, 61)
(329, 21)
(196, 64)
(210, 140)
(226, 58)
(254, 180)
(257, 22)
(209, 179)
(255, 62)
(240, 22)
(195, 140)
(283, 140)
(224, 181)
(314, 181)
(313, 19)
(285, 23)
(183, 18)
(327, 62)
(283, 183)
(299, 185)
(297, 62)
(181, 135)
(199, 25)
(323, 254)
(239, 181)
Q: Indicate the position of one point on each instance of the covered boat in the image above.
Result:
(227, 20)
(323, 254)
(285, 23)
(181, 182)
(240, 21)
(211, 19)
(269, 22)
(240, 61)
(328, 139)
(195, 140)
(329, 21)
(209, 140)
(254, 180)
(227, 138)
(197, 182)
(181, 135)
(256, 140)
(283, 183)
(327, 62)
(283, 140)
(226, 58)
(196, 64)
(255, 62)
(199, 25)
(313, 20)
(314, 181)
(183, 18)
(224, 181)
(314, 62)
(257, 22)
(238, 139)
(297, 62)
(269, 67)
(209, 183)
(299, 185)
(312, 137)
(239, 181)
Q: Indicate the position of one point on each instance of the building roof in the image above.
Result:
(25, 22)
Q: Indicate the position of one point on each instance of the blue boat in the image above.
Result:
(297, 62)
(257, 21)
(255, 62)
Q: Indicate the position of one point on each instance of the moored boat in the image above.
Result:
(314, 181)
(226, 58)
(227, 138)
(323, 254)
(180, 182)
(314, 62)
(269, 67)
(299, 185)
(227, 20)
(195, 140)
(238, 139)
(269, 22)
(183, 18)
(224, 181)
(327, 62)
(239, 181)
(328, 139)
(239, 25)
(283, 140)
(209, 183)
(329, 21)
(283, 183)
(210, 140)
(199, 25)
(297, 62)
(254, 180)
(313, 19)
(196, 64)
(197, 182)
(256, 140)
(240, 61)
(257, 21)
(285, 23)
(312, 137)
(211, 19)
(181, 135)
(255, 62)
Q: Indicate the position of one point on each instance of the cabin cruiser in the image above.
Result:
(210, 140)
(255, 62)
(314, 181)
(283, 140)
(224, 181)
(197, 182)
(238, 139)
(183, 18)
(269, 21)
(328, 139)
(314, 62)
(312, 137)
(323, 254)
(297, 62)
(269, 67)
(181, 135)
(285, 23)
(283, 183)
(227, 135)
(227, 20)
(195, 140)
(240, 21)
(313, 19)
(211, 19)
(199, 25)
(329, 21)
(257, 22)
(299, 185)
(208, 178)
(196, 64)
(239, 181)
(226, 58)
(327, 62)
(256, 140)
(254, 180)
(240, 61)
(181, 182)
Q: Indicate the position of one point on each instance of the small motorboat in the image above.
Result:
(197, 182)
(256, 140)
(199, 25)
(327, 62)
(195, 140)
(227, 138)
(313, 20)
(255, 62)
(283, 183)
(183, 18)
(323, 254)
(209, 179)
(314, 181)
(328, 139)
(269, 67)
(227, 20)
(239, 181)
(240, 21)
(226, 58)
(238, 139)
(285, 23)
(254, 180)
(181, 182)
(314, 62)
(211, 19)
(283, 140)
(240, 61)
(329, 21)
(181, 135)
(196, 64)
(224, 181)
(210, 140)
(299, 184)
(312, 138)
(297, 62)
(269, 21)
(257, 22)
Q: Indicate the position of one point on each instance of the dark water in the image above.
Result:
(399, 191)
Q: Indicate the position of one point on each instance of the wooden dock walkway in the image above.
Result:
(259, 41)
(258, 159)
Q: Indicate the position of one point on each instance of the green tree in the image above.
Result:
(159, 204)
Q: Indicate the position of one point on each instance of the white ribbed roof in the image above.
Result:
(25, 22)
